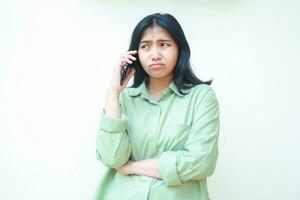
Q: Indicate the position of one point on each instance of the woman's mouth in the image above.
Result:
(156, 65)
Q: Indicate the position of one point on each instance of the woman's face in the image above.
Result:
(158, 52)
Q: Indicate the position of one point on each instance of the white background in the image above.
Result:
(56, 60)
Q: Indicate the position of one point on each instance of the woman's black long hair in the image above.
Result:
(183, 76)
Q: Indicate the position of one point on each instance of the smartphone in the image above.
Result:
(124, 70)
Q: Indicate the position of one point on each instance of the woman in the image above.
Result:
(159, 137)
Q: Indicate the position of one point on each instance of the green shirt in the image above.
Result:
(181, 131)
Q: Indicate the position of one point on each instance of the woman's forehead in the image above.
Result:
(155, 32)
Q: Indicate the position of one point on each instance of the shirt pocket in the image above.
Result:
(175, 135)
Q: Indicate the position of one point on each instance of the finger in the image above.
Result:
(131, 70)
(128, 53)
(129, 56)
(132, 52)
(126, 60)
(130, 75)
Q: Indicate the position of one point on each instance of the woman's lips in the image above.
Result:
(158, 65)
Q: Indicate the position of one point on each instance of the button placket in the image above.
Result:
(158, 125)
(155, 123)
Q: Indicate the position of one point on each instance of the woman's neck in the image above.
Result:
(157, 84)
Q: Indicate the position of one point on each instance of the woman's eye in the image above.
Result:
(165, 44)
(143, 46)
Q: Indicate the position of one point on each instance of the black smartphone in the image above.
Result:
(124, 70)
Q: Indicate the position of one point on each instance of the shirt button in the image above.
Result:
(153, 129)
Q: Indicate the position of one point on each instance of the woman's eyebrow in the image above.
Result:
(161, 40)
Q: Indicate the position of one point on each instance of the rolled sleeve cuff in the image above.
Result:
(167, 168)
(112, 124)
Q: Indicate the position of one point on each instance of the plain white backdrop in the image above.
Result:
(56, 60)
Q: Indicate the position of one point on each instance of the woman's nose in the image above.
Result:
(156, 55)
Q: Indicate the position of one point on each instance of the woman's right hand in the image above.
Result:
(126, 57)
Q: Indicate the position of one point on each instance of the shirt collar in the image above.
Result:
(142, 89)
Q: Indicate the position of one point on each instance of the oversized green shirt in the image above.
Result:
(181, 131)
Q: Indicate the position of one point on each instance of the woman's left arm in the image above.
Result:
(146, 167)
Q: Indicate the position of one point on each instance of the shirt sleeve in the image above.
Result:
(113, 146)
(198, 159)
